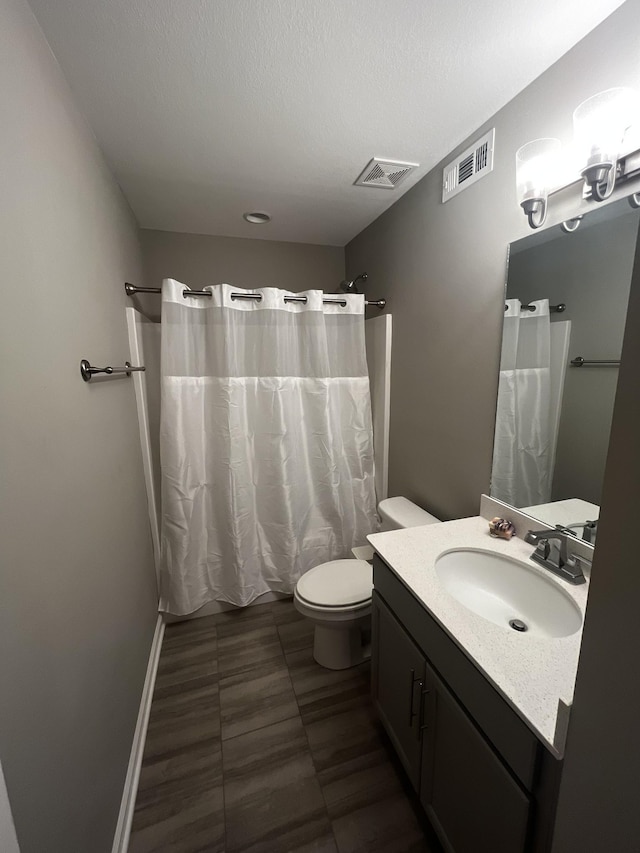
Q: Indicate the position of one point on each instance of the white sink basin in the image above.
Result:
(501, 590)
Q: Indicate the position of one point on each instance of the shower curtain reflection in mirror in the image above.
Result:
(265, 439)
(523, 451)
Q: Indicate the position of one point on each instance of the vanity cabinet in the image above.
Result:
(465, 789)
(399, 696)
(482, 777)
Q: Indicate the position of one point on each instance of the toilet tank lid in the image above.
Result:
(404, 513)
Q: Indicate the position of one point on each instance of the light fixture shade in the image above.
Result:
(599, 126)
(536, 169)
(536, 173)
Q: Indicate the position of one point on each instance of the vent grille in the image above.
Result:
(469, 167)
(465, 169)
(385, 174)
(481, 156)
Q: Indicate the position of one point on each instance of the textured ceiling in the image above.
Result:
(208, 108)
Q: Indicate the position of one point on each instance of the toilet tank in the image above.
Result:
(397, 513)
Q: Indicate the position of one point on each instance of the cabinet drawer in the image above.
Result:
(500, 724)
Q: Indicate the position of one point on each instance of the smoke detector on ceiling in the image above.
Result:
(469, 167)
(385, 174)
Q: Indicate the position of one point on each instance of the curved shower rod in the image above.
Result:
(131, 290)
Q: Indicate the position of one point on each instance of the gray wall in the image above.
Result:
(77, 583)
(198, 260)
(600, 790)
(442, 268)
(590, 271)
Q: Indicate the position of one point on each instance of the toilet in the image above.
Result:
(336, 596)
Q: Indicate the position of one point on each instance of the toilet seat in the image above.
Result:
(338, 585)
(329, 612)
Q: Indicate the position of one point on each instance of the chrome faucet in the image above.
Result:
(552, 552)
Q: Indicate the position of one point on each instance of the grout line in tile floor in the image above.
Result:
(255, 748)
(224, 800)
(306, 735)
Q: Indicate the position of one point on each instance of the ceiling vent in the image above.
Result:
(386, 174)
(468, 167)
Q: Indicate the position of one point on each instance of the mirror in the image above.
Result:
(566, 299)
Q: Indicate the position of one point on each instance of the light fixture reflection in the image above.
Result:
(536, 171)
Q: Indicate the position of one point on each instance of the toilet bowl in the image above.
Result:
(336, 596)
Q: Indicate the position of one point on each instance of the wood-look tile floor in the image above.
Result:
(254, 748)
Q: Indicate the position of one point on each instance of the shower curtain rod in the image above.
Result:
(579, 361)
(553, 309)
(131, 289)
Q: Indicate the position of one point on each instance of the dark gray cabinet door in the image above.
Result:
(471, 799)
(398, 681)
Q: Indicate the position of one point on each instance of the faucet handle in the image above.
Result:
(543, 548)
(573, 573)
(536, 537)
(533, 537)
(540, 538)
(575, 562)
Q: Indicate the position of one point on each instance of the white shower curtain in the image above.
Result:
(266, 441)
(522, 450)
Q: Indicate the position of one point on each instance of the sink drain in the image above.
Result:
(517, 625)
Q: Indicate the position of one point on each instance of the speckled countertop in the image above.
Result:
(532, 673)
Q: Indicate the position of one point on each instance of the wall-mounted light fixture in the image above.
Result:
(600, 128)
(536, 164)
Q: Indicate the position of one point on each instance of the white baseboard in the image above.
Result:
(125, 818)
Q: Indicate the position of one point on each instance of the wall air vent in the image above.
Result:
(468, 167)
(385, 174)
